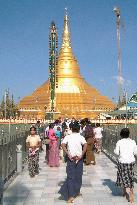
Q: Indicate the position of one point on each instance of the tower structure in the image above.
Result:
(53, 53)
(74, 96)
(120, 92)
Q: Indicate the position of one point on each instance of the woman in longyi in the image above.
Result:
(53, 148)
(33, 143)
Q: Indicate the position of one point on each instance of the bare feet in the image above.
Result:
(131, 198)
(70, 200)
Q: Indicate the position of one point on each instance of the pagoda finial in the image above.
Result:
(66, 34)
(66, 10)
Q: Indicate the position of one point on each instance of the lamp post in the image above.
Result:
(117, 13)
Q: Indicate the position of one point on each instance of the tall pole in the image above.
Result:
(117, 13)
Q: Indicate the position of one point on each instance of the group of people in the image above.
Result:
(56, 132)
(79, 140)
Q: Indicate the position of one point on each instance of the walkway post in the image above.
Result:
(19, 158)
(1, 190)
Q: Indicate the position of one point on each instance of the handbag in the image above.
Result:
(47, 141)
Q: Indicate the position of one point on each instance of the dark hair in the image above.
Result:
(124, 133)
(75, 127)
(82, 122)
(70, 125)
(56, 122)
(34, 128)
(58, 128)
(87, 120)
(51, 125)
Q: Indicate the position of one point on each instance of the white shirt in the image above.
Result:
(33, 140)
(98, 132)
(46, 131)
(74, 143)
(126, 149)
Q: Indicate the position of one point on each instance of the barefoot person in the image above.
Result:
(33, 143)
(72, 145)
(88, 134)
(126, 148)
(98, 137)
(53, 160)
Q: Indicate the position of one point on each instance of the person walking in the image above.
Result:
(98, 137)
(126, 149)
(33, 143)
(87, 132)
(72, 145)
(47, 145)
(53, 158)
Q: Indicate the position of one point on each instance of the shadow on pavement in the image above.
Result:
(116, 191)
(16, 194)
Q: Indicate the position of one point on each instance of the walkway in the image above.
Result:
(98, 186)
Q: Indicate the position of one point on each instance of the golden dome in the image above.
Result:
(73, 95)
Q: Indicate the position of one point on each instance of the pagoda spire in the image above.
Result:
(66, 42)
(67, 63)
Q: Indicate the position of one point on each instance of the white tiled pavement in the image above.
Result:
(98, 186)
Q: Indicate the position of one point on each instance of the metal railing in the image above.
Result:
(111, 135)
(9, 139)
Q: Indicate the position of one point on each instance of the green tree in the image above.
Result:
(8, 107)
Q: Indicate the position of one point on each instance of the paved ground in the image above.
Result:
(98, 186)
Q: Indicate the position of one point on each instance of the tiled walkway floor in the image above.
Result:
(98, 186)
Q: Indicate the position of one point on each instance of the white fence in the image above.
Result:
(102, 121)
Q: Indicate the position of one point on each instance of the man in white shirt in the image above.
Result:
(72, 145)
(98, 136)
(126, 149)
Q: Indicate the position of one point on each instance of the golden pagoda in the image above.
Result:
(74, 97)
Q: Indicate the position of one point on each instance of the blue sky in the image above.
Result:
(24, 30)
